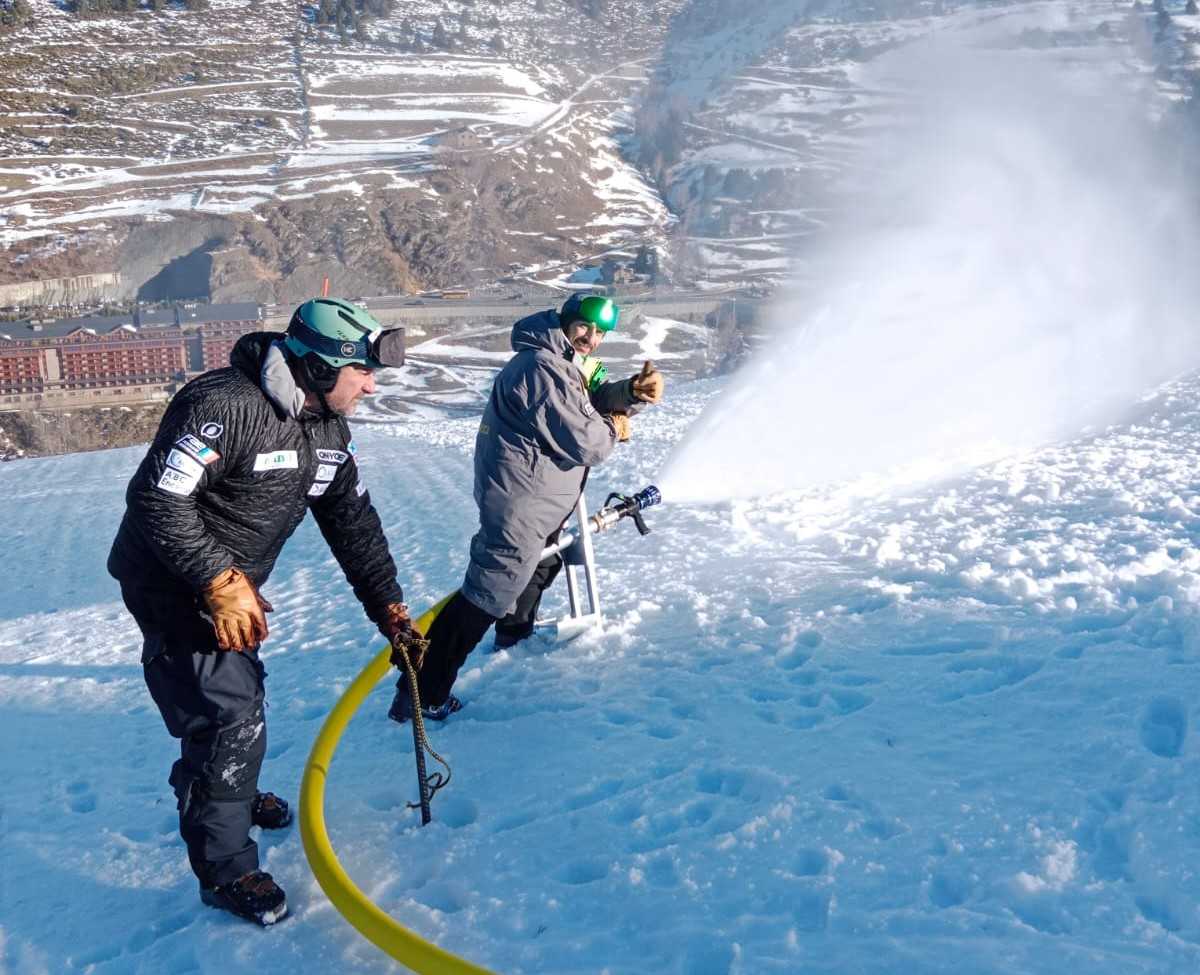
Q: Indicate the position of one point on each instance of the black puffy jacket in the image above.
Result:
(229, 477)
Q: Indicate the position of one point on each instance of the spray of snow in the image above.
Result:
(1020, 264)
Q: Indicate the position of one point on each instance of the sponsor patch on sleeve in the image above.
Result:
(326, 472)
(360, 489)
(352, 448)
(198, 449)
(332, 456)
(318, 489)
(277, 460)
(176, 482)
(185, 463)
(211, 431)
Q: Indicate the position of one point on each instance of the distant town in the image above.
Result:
(105, 360)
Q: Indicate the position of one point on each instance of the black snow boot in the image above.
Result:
(402, 709)
(256, 897)
(269, 811)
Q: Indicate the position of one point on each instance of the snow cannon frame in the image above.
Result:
(575, 548)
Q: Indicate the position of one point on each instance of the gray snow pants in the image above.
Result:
(212, 701)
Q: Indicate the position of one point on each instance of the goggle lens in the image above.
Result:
(600, 312)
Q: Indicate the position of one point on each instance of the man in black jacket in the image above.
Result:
(241, 455)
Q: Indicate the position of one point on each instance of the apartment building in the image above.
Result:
(143, 355)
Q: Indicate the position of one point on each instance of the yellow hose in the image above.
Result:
(372, 922)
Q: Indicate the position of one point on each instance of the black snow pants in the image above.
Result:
(461, 625)
(212, 701)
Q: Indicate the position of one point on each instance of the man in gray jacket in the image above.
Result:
(551, 416)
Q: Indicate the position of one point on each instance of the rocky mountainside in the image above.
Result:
(242, 149)
(239, 149)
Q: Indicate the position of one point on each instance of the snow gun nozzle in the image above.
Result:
(618, 506)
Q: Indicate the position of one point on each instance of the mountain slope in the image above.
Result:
(845, 730)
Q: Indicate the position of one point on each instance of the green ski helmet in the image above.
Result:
(326, 334)
(593, 309)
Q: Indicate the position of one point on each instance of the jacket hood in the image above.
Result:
(250, 351)
(260, 356)
(542, 331)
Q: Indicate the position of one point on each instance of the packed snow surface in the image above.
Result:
(855, 728)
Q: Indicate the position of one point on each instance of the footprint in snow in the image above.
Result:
(1158, 911)
(80, 797)
(810, 863)
(457, 812)
(948, 888)
(1163, 727)
(585, 871)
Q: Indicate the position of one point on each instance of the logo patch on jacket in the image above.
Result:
(326, 472)
(210, 431)
(318, 489)
(198, 449)
(277, 460)
(185, 463)
(176, 482)
(332, 456)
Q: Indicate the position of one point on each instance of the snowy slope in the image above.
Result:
(941, 730)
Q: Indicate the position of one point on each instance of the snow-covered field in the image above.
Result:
(938, 729)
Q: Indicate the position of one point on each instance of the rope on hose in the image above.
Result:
(436, 781)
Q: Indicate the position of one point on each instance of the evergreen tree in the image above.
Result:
(441, 39)
(1191, 8)
(497, 43)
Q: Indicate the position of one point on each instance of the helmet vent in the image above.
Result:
(350, 320)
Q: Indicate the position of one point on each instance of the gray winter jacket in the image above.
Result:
(540, 433)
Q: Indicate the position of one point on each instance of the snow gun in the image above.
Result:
(626, 507)
(616, 507)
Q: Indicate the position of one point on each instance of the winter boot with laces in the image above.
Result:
(269, 811)
(256, 897)
(401, 709)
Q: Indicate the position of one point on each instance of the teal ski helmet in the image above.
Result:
(593, 309)
(326, 334)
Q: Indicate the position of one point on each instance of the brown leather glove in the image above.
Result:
(648, 384)
(621, 422)
(398, 629)
(238, 612)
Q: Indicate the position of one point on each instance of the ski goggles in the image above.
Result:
(593, 309)
(383, 348)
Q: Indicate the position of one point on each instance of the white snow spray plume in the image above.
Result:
(1023, 261)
